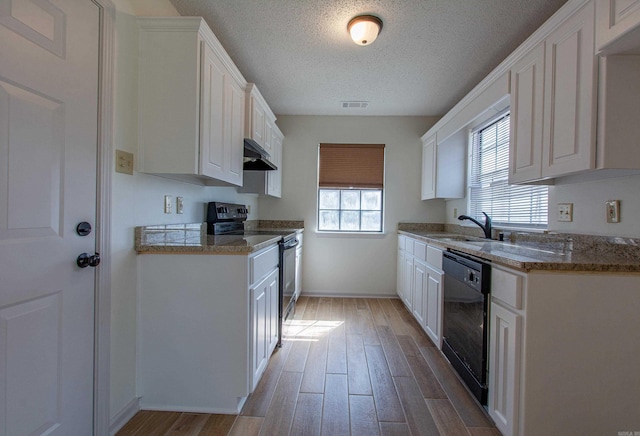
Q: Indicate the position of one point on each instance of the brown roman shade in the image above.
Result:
(351, 166)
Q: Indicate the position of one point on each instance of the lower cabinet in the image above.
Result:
(560, 353)
(419, 284)
(264, 324)
(207, 325)
(433, 310)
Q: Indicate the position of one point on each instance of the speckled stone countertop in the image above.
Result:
(193, 238)
(537, 251)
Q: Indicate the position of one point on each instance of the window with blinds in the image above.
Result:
(350, 187)
(489, 189)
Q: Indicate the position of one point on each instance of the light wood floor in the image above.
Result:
(348, 366)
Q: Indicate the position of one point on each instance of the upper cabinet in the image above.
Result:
(260, 125)
(574, 115)
(553, 103)
(617, 26)
(572, 112)
(527, 96)
(443, 167)
(267, 182)
(259, 118)
(191, 104)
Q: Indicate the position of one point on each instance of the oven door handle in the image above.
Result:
(288, 245)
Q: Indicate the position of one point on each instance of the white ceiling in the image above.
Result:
(429, 55)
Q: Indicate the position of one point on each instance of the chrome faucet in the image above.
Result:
(486, 227)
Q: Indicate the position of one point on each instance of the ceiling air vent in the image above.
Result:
(354, 104)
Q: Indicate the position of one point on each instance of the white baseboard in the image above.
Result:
(341, 295)
(124, 415)
(214, 410)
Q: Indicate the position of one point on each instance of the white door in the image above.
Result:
(48, 144)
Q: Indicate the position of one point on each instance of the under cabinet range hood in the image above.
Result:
(256, 158)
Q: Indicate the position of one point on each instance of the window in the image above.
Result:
(350, 187)
(489, 189)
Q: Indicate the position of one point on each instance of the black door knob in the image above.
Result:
(84, 260)
(83, 228)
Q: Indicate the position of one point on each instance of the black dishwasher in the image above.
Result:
(466, 300)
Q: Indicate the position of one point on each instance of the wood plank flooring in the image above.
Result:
(348, 366)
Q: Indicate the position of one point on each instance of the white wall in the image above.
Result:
(588, 198)
(138, 200)
(352, 264)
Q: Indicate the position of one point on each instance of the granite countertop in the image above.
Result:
(550, 252)
(193, 239)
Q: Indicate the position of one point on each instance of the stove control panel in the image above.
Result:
(220, 212)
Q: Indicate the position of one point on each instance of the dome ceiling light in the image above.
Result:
(364, 29)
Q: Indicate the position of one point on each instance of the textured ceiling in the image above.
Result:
(429, 55)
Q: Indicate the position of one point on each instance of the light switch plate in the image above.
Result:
(613, 211)
(167, 204)
(124, 162)
(179, 205)
(565, 212)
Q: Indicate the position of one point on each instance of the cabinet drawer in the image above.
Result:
(434, 257)
(420, 250)
(263, 263)
(507, 287)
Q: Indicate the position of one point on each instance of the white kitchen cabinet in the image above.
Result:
(260, 119)
(191, 103)
(527, 96)
(553, 103)
(433, 302)
(267, 182)
(429, 168)
(419, 284)
(570, 96)
(617, 26)
(264, 324)
(551, 352)
(443, 167)
(419, 290)
(505, 343)
(207, 325)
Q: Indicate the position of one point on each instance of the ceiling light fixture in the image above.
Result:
(364, 29)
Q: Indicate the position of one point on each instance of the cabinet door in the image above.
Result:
(263, 328)
(274, 178)
(268, 136)
(504, 368)
(570, 96)
(298, 272)
(527, 93)
(407, 280)
(272, 289)
(419, 291)
(257, 121)
(234, 140)
(433, 312)
(429, 169)
(212, 119)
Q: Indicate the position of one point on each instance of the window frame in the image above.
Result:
(357, 188)
(503, 184)
(360, 210)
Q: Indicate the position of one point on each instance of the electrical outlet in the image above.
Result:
(179, 205)
(124, 162)
(455, 212)
(613, 211)
(167, 204)
(565, 212)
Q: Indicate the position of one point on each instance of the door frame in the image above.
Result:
(102, 306)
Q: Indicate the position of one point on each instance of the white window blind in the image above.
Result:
(490, 192)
